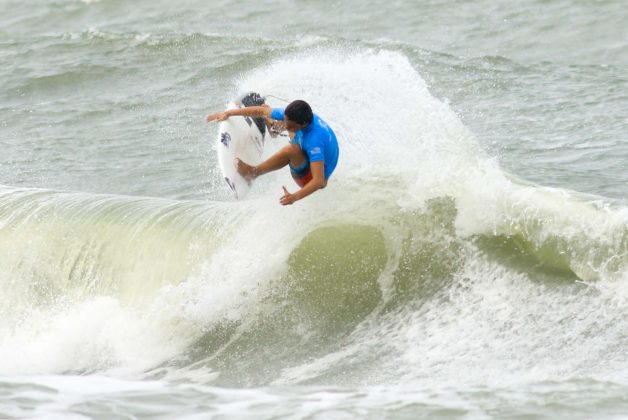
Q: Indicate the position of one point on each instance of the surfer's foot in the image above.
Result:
(247, 171)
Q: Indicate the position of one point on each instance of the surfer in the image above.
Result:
(312, 153)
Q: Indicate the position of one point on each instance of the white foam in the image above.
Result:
(400, 146)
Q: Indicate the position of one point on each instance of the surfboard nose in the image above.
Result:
(252, 99)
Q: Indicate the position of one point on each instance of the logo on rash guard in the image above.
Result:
(315, 150)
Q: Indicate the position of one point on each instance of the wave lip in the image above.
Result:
(82, 273)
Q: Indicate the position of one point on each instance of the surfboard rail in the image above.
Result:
(242, 138)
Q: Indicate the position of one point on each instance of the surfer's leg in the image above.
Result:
(290, 154)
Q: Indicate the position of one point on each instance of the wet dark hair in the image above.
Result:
(300, 112)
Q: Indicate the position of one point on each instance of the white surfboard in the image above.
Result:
(243, 138)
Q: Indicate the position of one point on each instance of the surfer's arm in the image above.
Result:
(249, 111)
(316, 183)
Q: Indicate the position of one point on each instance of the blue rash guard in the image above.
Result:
(317, 141)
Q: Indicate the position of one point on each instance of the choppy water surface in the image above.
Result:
(467, 260)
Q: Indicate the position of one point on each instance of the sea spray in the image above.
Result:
(421, 258)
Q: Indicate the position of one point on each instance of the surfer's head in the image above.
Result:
(298, 115)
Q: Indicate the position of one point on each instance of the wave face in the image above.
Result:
(421, 259)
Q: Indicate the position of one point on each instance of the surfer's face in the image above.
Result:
(293, 126)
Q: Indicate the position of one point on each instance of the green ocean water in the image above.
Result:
(468, 258)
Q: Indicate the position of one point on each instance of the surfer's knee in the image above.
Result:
(292, 150)
(297, 156)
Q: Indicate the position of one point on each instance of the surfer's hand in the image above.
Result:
(287, 198)
(221, 116)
